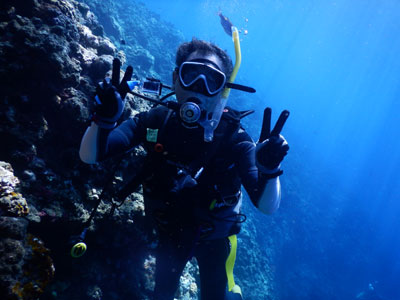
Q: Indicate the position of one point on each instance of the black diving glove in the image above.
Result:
(110, 97)
(269, 155)
(272, 146)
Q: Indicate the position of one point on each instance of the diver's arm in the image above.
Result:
(99, 143)
(88, 151)
(270, 199)
(103, 138)
(264, 192)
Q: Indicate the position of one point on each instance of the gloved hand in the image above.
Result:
(272, 146)
(270, 153)
(110, 97)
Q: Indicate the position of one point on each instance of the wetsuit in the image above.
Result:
(192, 189)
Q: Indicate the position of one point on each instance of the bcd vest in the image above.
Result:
(189, 182)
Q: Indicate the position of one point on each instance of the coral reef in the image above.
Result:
(149, 43)
(52, 54)
(254, 269)
(26, 267)
(188, 284)
(11, 201)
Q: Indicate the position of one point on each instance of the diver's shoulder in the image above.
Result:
(159, 110)
(154, 116)
(231, 115)
(234, 116)
(241, 136)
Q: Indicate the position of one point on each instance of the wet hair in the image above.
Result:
(203, 47)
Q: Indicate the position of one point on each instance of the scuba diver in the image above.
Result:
(198, 157)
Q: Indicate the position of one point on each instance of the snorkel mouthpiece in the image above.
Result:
(210, 123)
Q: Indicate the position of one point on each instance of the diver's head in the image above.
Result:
(203, 47)
(199, 78)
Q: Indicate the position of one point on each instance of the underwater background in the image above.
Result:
(333, 64)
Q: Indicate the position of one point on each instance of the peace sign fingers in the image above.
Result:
(266, 125)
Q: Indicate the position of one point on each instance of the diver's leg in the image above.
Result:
(170, 262)
(232, 295)
(216, 260)
(234, 292)
(211, 257)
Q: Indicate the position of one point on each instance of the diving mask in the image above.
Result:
(201, 77)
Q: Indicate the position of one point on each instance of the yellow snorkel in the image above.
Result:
(210, 124)
(238, 54)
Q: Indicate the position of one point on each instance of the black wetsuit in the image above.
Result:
(192, 190)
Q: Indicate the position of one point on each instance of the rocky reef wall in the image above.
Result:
(51, 55)
(149, 43)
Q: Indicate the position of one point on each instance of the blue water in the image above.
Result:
(336, 66)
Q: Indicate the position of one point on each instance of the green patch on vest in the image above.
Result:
(151, 135)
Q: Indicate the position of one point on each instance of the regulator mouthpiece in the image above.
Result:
(190, 112)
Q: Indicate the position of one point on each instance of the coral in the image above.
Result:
(149, 266)
(11, 202)
(94, 293)
(25, 264)
(150, 44)
(38, 270)
(188, 286)
(12, 227)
